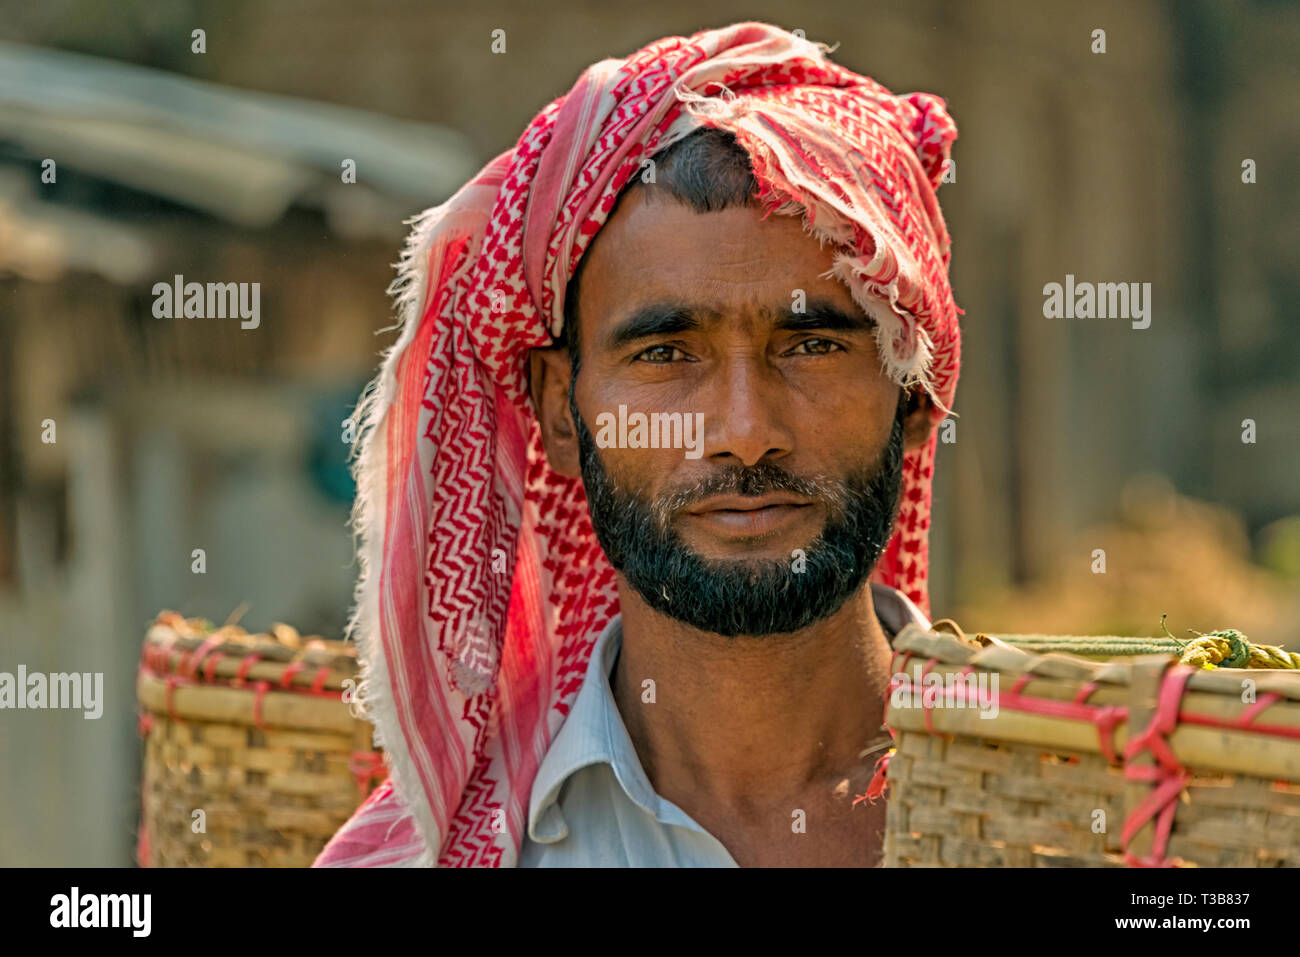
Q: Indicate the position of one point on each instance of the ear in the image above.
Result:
(918, 420)
(549, 371)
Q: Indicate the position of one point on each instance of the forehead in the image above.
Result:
(731, 261)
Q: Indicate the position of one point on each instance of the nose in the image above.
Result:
(748, 421)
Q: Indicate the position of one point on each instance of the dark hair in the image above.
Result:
(707, 170)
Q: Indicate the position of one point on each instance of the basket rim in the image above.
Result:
(182, 637)
(1000, 655)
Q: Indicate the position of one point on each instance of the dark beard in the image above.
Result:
(742, 596)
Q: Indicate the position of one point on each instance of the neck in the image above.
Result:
(750, 722)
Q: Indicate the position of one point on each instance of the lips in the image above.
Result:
(748, 516)
(747, 503)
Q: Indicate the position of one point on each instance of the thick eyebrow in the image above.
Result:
(656, 319)
(664, 318)
(820, 314)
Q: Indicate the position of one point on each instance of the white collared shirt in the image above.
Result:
(591, 803)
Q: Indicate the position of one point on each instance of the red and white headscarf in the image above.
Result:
(483, 587)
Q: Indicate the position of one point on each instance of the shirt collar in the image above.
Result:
(583, 739)
(594, 732)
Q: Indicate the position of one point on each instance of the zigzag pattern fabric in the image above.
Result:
(482, 585)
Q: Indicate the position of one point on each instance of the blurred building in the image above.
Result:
(1122, 166)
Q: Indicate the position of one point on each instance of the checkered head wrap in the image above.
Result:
(483, 587)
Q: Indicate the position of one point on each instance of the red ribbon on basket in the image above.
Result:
(879, 780)
(1168, 773)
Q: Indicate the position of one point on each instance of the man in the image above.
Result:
(633, 459)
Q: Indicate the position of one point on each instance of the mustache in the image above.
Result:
(752, 481)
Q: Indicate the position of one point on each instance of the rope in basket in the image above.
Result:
(1227, 648)
(1230, 649)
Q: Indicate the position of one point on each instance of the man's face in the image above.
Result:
(791, 499)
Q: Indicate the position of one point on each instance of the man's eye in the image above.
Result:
(818, 347)
(658, 354)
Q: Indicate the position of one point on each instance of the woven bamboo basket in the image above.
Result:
(1131, 761)
(254, 732)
